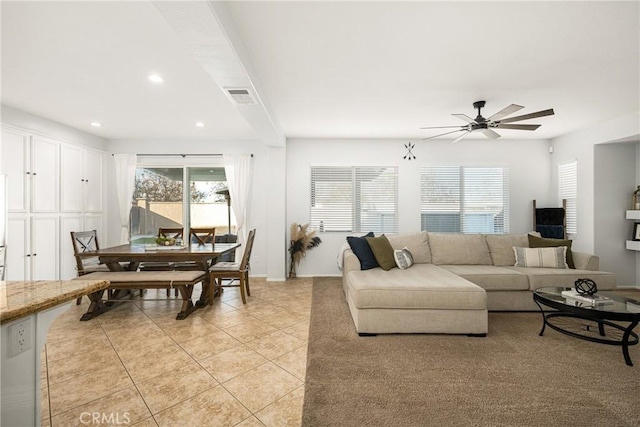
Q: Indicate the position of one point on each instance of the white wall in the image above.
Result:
(50, 128)
(580, 146)
(268, 256)
(614, 175)
(529, 177)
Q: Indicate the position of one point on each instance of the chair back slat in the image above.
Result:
(244, 264)
(84, 241)
(203, 235)
(171, 232)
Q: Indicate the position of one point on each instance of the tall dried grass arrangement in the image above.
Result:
(301, 241)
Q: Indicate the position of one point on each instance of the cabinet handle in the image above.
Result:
(28, 255)
(28, 173)
(35, 254)
(34, 174)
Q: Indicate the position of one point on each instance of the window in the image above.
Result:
(568, 190)
(184, 195)
(464, 199)
(354, 199)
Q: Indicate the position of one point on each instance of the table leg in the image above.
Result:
(187, 304)
(625, 342)
(544, 318)
(96, 307)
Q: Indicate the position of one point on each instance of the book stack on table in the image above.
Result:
(594, 299)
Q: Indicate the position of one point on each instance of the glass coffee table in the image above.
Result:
(591, 322)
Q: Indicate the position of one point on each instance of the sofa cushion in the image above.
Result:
(417, 243)
(361, 249)
(403, 258)
(501, 247)
(383, 251)
(543, 277)
(459, 249)
(423, 286)
(541, 257)
(490, 277)
(540, 242)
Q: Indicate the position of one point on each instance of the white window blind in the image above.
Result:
(568, 190)
(354, 199)
(465, 199)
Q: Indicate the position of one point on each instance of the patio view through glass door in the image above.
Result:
(180, 196)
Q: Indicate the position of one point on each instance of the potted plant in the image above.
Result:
(301, 241)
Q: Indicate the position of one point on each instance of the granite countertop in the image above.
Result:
(20, 299)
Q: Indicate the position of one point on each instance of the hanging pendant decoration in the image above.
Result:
(409, 155)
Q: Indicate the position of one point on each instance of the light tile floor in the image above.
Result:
(226, 364)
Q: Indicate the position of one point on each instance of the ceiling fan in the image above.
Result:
(497, 120)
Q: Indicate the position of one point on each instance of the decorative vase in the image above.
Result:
(292, 270)
(636, 199)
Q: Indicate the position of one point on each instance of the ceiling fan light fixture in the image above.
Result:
(495, 121)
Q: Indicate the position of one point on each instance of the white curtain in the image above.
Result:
(125, 181)
(237, 168)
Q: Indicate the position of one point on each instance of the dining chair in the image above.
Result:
(200, 236)
(85, 241)
(172, 232)
(234, 272)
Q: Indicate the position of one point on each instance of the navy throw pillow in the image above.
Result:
(362, 250)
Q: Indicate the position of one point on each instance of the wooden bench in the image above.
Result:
(183, 281)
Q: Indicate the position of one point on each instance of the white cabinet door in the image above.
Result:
(44, 247)
(15, 164)
(18, 261)
(94, 168)
(44, 174)
(71, 178)
(67, 259)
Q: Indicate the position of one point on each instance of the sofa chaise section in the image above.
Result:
(422, 299)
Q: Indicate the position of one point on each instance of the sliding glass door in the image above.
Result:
(191, 194)
(157, 202)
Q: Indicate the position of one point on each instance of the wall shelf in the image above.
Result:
(633, 214)
(633, 245)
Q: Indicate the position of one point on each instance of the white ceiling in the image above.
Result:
(320, 69)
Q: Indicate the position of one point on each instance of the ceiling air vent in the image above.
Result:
(240, 95)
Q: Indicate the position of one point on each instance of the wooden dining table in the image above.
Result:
(127, 257)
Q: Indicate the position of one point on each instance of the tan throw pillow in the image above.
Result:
(540, 242)
(382, 251)
(541, 257)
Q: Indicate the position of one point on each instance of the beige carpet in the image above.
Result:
(513, 377)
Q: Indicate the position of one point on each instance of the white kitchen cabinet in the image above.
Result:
(81, 179)
(31, 165)
(54, 187)
(33, 247)
(15, 164)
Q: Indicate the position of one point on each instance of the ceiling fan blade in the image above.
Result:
(506, 111)
(518, 127)
(464, 117)
(542, 113)
(460, 137)
(442, 134)
(490, 134)
(441, 127)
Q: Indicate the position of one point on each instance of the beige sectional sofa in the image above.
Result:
(454, 281)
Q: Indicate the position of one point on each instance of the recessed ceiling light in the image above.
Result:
(199, 124)
(96, 124)
(155, 78)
